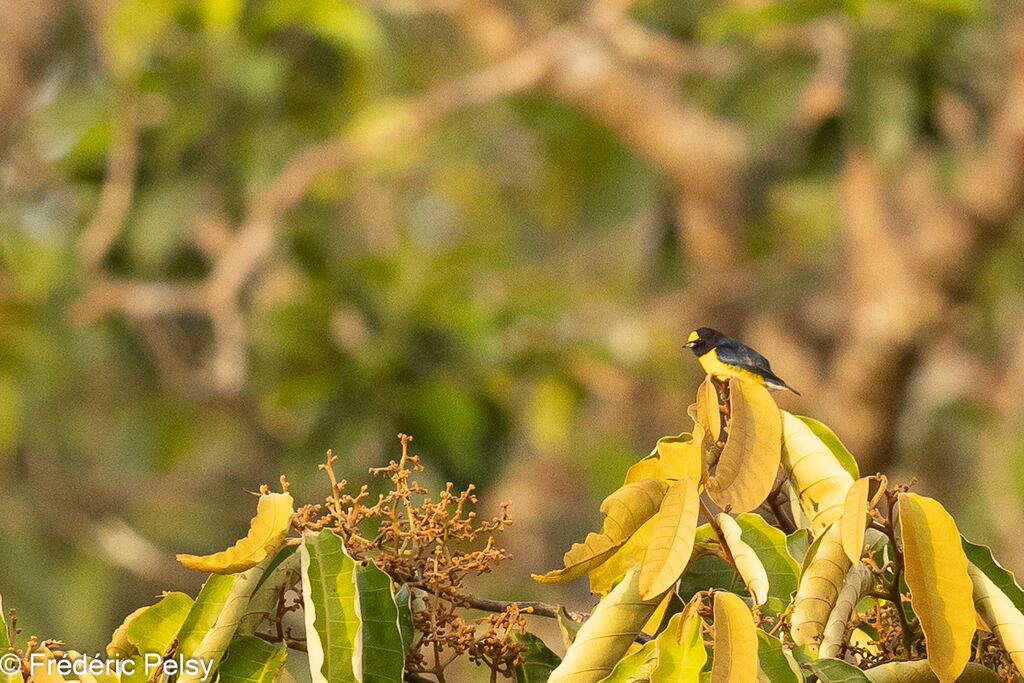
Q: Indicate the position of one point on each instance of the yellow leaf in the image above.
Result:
(855, 586)
(119, 646)
(672, 539)
(818, 478)
(42, 670)
(606, 636)
(654, 623)
(917, 671)
(735, 641)
(606, 574)
(267, 532)
(750, 460)
(581, 558)
(999, 614)
(708, 414)
(680, 457)
(680, 648)
(747, 563)
(630, 506)
(940, 588)
(818, 590)
(855, 518)
(647, 468)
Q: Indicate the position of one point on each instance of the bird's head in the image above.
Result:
(702, 340)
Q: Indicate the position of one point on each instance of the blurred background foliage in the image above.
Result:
(235, 233)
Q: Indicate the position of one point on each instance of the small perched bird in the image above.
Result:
(723, 357)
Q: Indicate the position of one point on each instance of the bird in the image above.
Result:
(724, 356)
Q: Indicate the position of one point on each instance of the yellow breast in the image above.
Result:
(709, 361)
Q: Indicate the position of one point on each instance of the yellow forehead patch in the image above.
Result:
(693, 337)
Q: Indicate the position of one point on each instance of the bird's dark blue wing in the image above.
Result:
(737, 353)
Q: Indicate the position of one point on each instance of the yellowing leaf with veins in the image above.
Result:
(646, 468)
(999, 614)
(917, 671)
(708, 414)
(581, 558)
(680, 457)
(672, 539)
(680, 648)
(606, 574)
(818, 478)
(607, 635)
(267, 532)
(855, 518)
(749, 566)
(735, 641)
(630, 506)
(750, 460)
(940, 587)
(119, 646)
(819, 589)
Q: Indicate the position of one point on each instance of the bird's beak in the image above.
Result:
(689, 344)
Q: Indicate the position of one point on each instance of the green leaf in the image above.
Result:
(329, 604)
(681, 654)
(251, 660)
(634, 667)
(538, 659)
(383, 652)
(828, 437)
(981, 557)
(709, 571)
(154, 629)
(836, 671)
(403, 598)
(204, 612)
(770, 546)
(567, 626)
(776, 665)
(283, 571)
(797, 544)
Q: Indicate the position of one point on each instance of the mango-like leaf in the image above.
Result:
(940, 588)
(267, 532)
(855, 518)
(538, 661)
(680, 649)
(770, 545)
(818, 478)
(119, 645)
(606, 636)
(329, 600)
(630, 506)
(634, 667)
(981, 557)
(819, 588)
(680, 456)
(567, 626)
(746, 471)
(797, 544)
(83, 674)
(383, 653)
(748, 564)
(919, 672)
(999, 614)
(282, 572)
(581, 558)
(403, 598)
(706, 572)
(832, 442)
(835, 671)
(209, 645)
(855, 586)
(735, 641)
(153, 630)
(251, 660)
(205, 610)
(606, 574)
(775, 665)
(671, 540)
(708, 414)
(645, 468)
(43, 671)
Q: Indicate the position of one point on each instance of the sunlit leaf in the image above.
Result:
(940, 588)
(153, 630)
(855, 518)
(606, 636)
(775, 665)
(380, 637)
(251, 660)
(748, 564)
(630, 506)
(680, 649)
(735, 641)
(832, 442)
(771, 548)
(746, 471)
(981, 557)
(919, 672)
(119, 645)
(836, 671)
(645, 468)
(5, 643)
(606, 574)
(680, 456)
(819, 588)
(267, 532)
(797, 544)
(330, 606)
(634, 667)
(709, 571)
(283, 571)
(671, 540)
(538, 659)
(708, 414)
(581, 558)
(819, 479)
(856, 584)
(999, 614)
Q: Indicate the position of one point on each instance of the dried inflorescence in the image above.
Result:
(430, 545)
